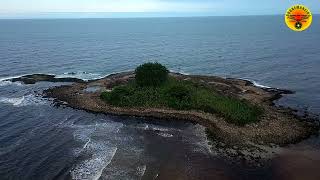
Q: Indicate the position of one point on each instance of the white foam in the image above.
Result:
(86, 144)
(259, 85)
(23, 101)
(180, 72)
(10, 77)
(167, 135)
(141, 170)
(92, 168)
(161, 131)
(97, 150)
(201, 141)
(110, 127)
(5, 81)
(256, 83)
(143, 126)
(13, 101)
(80, 75)
(84, 132)
(157, 128)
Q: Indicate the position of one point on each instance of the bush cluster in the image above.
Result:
(151, 74)
(179, 95)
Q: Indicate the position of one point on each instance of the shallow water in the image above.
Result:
(41, 141)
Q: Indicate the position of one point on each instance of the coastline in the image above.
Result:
(278, 126)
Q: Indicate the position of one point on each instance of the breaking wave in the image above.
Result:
(5, 81)
(167, 135)
(80, 75)
(260, 85)
(23, 101)
(255, 83)
(92, 168)
(96, 150)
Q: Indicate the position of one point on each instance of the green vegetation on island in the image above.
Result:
(154, 88)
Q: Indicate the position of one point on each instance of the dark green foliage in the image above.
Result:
(118, 96)
(151, 74)
(178, 97)
(183, 95)
(153, 89)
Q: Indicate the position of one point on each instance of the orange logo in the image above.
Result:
(298, 18)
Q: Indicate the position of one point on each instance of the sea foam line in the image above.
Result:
(86, 76)
(13, 101)
(106, 164)
(93, 168)
(256, 83)
(22, 101)
(260, 85)
(5, 81)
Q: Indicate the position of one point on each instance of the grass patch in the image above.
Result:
(183, 95)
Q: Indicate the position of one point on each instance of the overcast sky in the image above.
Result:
(74, 8)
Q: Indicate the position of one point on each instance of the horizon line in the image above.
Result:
(120, 15)
(87, 16)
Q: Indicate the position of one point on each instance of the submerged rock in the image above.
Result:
(34, 78)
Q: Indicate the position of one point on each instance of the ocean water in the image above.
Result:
(41, 141)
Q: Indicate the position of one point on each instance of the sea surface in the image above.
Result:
(41, 141)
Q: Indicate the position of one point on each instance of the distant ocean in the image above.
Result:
(39, 141)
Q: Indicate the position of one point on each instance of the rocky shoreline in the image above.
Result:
(278, 126)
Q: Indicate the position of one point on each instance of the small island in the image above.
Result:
(154, 88)
(234, 111)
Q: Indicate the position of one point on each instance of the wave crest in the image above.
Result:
(80, 75)
(6, 81)
(23, 101)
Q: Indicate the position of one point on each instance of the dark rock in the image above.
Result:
(34, 78)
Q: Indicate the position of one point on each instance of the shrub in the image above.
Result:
(179, 97)
(179, 92)
(184, 95)
(119, 95)
(151, 74)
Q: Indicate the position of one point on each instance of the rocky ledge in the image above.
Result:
(34, 78)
